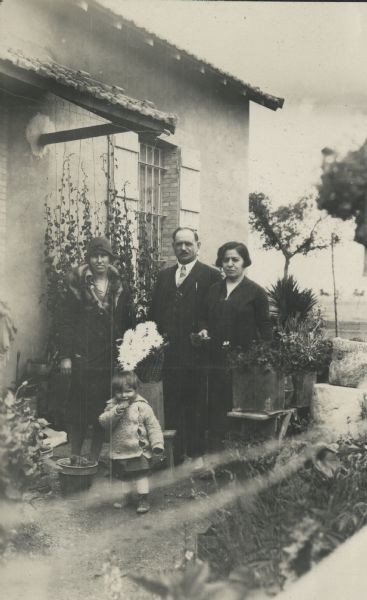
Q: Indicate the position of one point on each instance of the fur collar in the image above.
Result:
(80, 282)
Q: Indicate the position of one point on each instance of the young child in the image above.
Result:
(136, 438)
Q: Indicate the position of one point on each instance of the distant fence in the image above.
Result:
(348, 329)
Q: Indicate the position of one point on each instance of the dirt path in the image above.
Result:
(81, 531)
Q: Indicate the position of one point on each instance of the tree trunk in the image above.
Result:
(365, 263)
(286, 267)
(334, 284)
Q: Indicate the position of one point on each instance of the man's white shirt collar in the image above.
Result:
(188, 267)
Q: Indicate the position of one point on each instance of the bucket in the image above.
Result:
(73, 478)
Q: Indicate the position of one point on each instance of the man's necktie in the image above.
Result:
(181, 276)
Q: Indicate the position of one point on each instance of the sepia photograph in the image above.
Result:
(183, 300)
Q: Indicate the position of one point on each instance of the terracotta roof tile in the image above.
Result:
(82, 82)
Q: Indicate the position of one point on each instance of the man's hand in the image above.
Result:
(65, 366)
(198, 338)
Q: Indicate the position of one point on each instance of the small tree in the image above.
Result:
(343, 189)
(291, 229)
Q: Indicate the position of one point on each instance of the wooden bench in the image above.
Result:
(274, 423)
(169, 436)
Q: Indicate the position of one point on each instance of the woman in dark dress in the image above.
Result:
(96, 313)
(238, 313)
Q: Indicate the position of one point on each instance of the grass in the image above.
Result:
(292, 525)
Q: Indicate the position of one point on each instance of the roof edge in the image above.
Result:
(247, 90)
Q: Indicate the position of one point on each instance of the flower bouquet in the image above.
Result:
(142, 351)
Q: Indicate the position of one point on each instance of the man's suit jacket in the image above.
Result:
(181, 311)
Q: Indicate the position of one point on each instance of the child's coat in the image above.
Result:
(133, 433)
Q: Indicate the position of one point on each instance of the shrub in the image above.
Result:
(20, 443)
(290, 526)
(287, 300)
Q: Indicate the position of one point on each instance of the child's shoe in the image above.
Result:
(127, 500)
(143, 504)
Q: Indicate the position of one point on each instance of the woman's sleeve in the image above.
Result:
(262, 316)
(67, 321)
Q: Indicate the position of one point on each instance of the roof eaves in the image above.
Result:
(247, 90)
(84, 85)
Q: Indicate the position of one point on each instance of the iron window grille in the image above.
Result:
(150, 217)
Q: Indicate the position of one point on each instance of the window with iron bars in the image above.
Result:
(151, 173)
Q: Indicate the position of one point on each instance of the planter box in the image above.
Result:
(257, 390)
(303, 384)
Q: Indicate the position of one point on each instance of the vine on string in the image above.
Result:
(72, 223)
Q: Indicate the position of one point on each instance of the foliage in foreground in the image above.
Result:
(20, 443)
(292, 525)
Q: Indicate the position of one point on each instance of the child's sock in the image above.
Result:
(126, 496)
(142, 486)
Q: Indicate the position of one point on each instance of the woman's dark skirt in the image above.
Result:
(89, 391)
(219, 404)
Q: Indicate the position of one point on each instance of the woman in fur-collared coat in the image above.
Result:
(96, 312)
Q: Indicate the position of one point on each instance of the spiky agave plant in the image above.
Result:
(288, 301)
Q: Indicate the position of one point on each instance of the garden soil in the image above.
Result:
(60, 553)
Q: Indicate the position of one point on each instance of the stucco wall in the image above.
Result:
(31, 181)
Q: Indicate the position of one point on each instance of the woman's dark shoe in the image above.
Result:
(143, 505)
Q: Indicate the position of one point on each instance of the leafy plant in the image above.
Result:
(288, 301)
(266, 355)
(72, 223)
(343, 188)
(20, 443)
(291, 229)
(298, 347)
(67, 235)
(293, 524)
(303, 348)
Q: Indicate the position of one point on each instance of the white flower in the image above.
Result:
(137, 344)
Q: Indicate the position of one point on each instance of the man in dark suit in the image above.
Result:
(179, 309)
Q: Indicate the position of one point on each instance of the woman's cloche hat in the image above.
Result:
(99, 245)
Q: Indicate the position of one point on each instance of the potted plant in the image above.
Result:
(257, 377)
(305, 353)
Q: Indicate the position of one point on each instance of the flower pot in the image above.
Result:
(289, 391)
(73, 478)
(257, 390)
(303, 384)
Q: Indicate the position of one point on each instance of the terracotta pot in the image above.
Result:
(303, 384)
(257, 389)
(75, 479)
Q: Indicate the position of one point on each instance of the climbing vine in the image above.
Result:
(70, 225)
